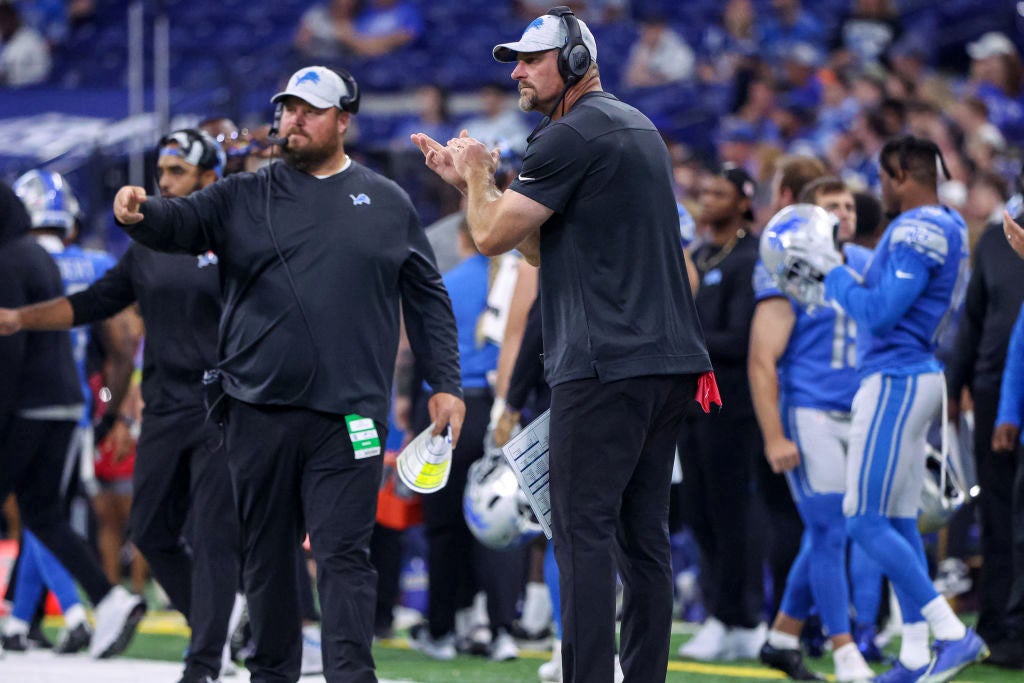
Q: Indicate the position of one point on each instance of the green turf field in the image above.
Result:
(163, 637)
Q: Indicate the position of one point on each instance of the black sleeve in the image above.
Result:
(429, 320)
(555, 163)
(965, 351)
(730, 343)
(107, 296)
(189, 225)
(528, 371)
(12, 348)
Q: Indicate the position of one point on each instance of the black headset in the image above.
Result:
(212, 157)
(574, 59)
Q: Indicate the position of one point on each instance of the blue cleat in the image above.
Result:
(901, 674)
(864, 636)
(953, 656)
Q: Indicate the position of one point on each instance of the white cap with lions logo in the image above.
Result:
(544, 33)
(318, 85)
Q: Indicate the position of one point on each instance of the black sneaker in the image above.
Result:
(1008, 653)
(37, 639)
(15, 643)
(197, 676)
(73, 640)
(789, 662)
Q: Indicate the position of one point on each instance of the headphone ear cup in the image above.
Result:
(579, 60)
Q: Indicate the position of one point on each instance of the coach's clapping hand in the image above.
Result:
(127, 202)
(470, 157)
(447, 409)
(439, 160)
(10, 321)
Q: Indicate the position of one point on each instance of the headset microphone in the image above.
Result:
(272, 134)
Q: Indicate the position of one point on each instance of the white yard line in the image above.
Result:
(40, 666)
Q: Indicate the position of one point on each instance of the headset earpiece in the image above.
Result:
(574, 58)
(349, 103)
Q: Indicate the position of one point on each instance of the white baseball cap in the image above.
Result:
(318, 85)
(991, 44)
(544, 33)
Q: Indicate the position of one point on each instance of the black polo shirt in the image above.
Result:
(614, 295)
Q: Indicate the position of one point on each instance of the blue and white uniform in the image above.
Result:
(915, 280)
(817, 383)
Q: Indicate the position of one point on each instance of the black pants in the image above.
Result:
(32, 455)
(181, 474)
(456, 561)
(386, 555)
(295, 470)
(996, 473)
(611, 458)
(719, 486)
(1015, 605)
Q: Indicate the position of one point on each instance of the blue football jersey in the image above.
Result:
(935, 237)
(817, 370)
(79, 268)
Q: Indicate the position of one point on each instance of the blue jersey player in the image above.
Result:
(901, 308)
(803, 381)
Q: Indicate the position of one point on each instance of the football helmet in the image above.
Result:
(495, 508)
(49, 200)
(798, 249)
(946, 488)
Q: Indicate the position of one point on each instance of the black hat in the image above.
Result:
(744, 184)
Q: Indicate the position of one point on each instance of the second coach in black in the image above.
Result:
(623, 349)
(314, 254)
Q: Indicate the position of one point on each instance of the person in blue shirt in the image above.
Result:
(53, 209)
(901, 306)
(803, 381)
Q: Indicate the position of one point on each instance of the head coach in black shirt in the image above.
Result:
(315, 254)
(623, 349)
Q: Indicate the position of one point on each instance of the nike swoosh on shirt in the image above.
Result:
(524, 179)
(904, 275)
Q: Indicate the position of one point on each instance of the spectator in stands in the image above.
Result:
(659, 56)
(866, 33)
(731, 47)
(787, 24)
(500, 122)
(434, 117)
(321, 28)
(737, 144)
(986, 196)
(384, 26)
(349, 27)
(997, 78)
(800, 79)
(24, 55)
(756, 105)
(49, 17)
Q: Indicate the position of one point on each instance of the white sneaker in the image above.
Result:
(442, 648)
(746, 643)
(850, 665)
(551, 672)
(503, 648)
(312, 653)
(619, 676)
(117, 617)
(709, 644)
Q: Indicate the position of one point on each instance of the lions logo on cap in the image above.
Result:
(310, 76)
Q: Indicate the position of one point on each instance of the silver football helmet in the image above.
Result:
(798, 250)
(496, 510)
(947, 487)
(49, 200)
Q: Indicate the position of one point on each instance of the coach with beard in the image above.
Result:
(315, 255)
